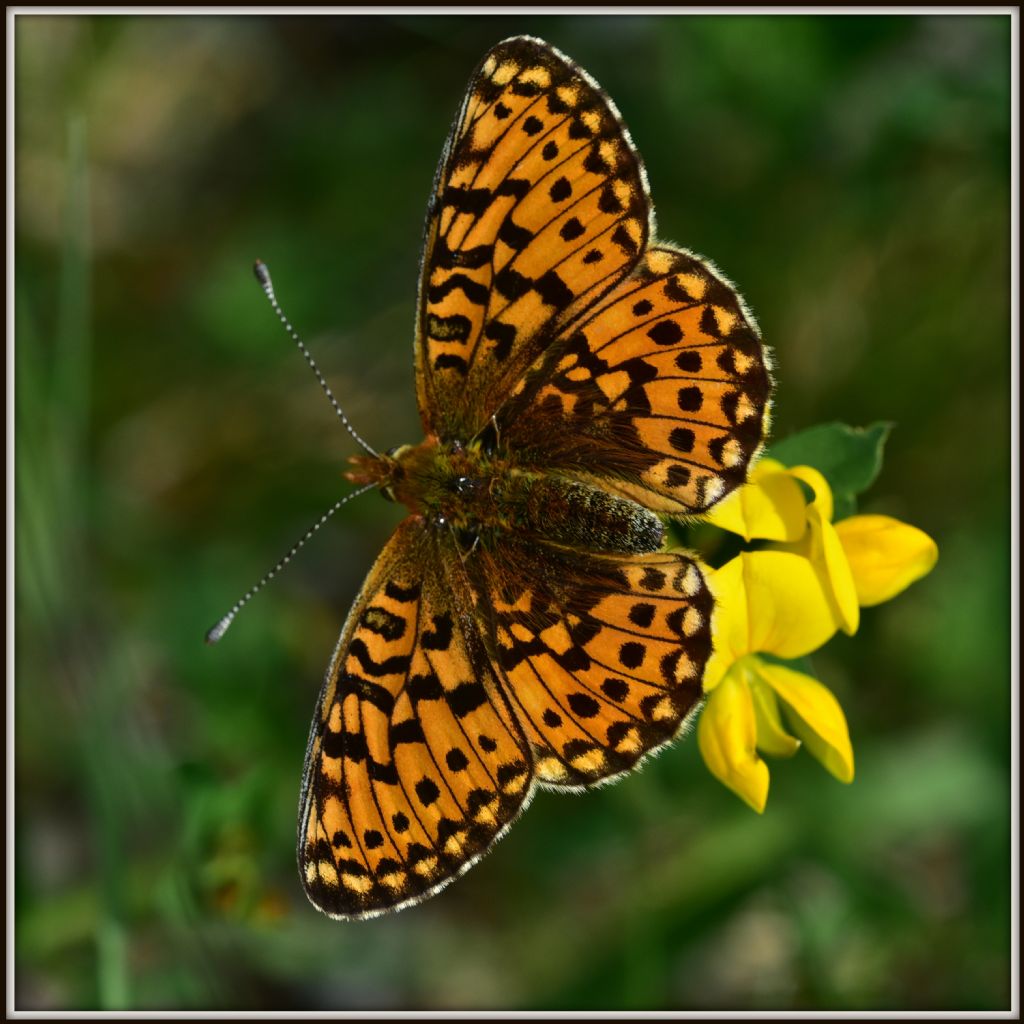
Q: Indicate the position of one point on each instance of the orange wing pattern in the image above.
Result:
(602, 656)
(415, 764)
(539, 205)
(660, 391)
(466, 673)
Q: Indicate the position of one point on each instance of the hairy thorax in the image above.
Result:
(479, 492)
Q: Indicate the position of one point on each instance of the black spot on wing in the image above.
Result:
(394, 665)
(448, 328)
(448, 361)
(473, 290)
(440, 637)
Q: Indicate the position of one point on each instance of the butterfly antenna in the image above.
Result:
(263, 276)
(217, 631)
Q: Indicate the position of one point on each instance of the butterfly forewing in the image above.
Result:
(660, 391)
(415, 763)
(539, 206)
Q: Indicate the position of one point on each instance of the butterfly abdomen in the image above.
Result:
(576, 515)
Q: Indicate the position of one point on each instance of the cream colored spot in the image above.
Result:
(690, 582)
(732, 453)
(515, 784)
(486, 814)
(592, 119)
(455, 844)
(394, 879)
(539, 76)
(692, 621)
(425, 867)
(623, 192)
(327, 872)
(726, 319)
(744, 409)
(609, 151)
(568, 94)
(630, 743)
(659, 261)
(505, 72)
(551, 768)
(742, 361)
(357, 883)
(684, 670)
(694, 285)
(310, 873)
(714, 490)
(591, 761)
(489, 65)
(663, 710)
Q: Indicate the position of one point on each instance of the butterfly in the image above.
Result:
(576, 381)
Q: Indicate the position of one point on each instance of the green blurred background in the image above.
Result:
(850, 173)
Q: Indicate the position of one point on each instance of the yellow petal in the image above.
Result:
(766, 466)
(726, 734)
(822, 550)
(818, 484)
(818, 719)
(772, 737)
(789, 609)
(885, 555)
(828, 547)
(729, 631)
(770, 506)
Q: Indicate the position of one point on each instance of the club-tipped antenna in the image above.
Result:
(216, 632)
(263, 276)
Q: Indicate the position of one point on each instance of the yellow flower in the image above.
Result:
(768, 603)
(786, 600)
(862, 561)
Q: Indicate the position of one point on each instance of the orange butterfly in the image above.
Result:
(523, 627)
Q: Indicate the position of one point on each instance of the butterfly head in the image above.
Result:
(383, 471)
(445, 481)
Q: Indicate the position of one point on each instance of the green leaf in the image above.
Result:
(848, 457)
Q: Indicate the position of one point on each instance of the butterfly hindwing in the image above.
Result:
(414, 765)
(661, 391)
(602, 655)
(539, 205)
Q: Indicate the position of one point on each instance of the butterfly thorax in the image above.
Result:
(479, 493)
